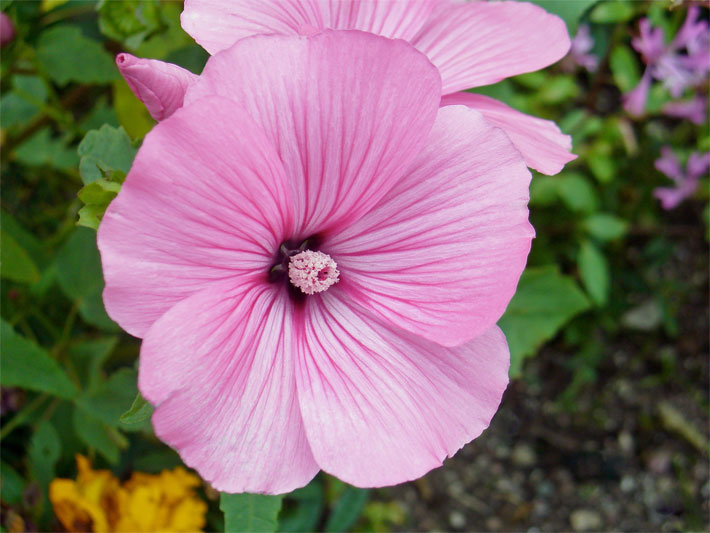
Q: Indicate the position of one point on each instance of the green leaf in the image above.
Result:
(15, 262)
(45, 449)
(544, 190)
(25, 364)
(103, 151)
(80, 277)
(24, 238)
(594, 272)
(88, 358)
(605, 227)
(107, 401)
(140, 411)
(99, 436)
(624, 67)
(303, 508)
(96, 195)
(131, 112)
(11, 484)
(559, 89)
(611, 12)
(44, 149)
(347, 509)
(68, 56)
(129, 21)
(250, 512)
(23, 102)
(571, 188)
(568, 10)
(577, 193)
(544, 302)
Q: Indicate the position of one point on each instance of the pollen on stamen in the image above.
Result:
(313, 272)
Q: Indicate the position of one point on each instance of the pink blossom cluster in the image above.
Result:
(685, 181)
(317, 239)
(682, 63)
(580, 51)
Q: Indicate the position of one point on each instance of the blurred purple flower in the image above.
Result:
(680, 64)
(685, 182)
(694, 110)
(580, 47)
(7, 30)
(11, 399)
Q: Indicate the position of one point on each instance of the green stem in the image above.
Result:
(21, 416)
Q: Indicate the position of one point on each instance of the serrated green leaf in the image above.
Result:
(140, 411)
(15, 262)
(544, 302)
(594, 272)
(248, 513)
(67, 55)
(90, 216)
(27, 365)
(96, 195)
(347, 509)
(103, 151)
(605, 227)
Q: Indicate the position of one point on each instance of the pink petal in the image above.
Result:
(205, 200)
(671, 197)
(382, 406)
(441, 254)
(160, 86)
(348, 131)
(668, 164)
(217, 24)
(479, 43)
(542, 144)
(219, 367)
(634, 101)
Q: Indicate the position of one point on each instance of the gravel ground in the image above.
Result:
(630, 453)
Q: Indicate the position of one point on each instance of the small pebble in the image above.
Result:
(523, 455)
(585, 520)
(457, 519)
(627, 484)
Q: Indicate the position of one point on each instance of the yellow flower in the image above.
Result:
(96, 502)
(87, 503)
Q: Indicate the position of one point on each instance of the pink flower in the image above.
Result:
(472, 44)
(680, 64)
(580, 47)
(160, 86)
(694, 110)
(686, 182)
(315, 255)
(7, 30)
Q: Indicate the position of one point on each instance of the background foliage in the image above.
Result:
(596, 274)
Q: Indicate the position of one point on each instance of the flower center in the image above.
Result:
(312, 272)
